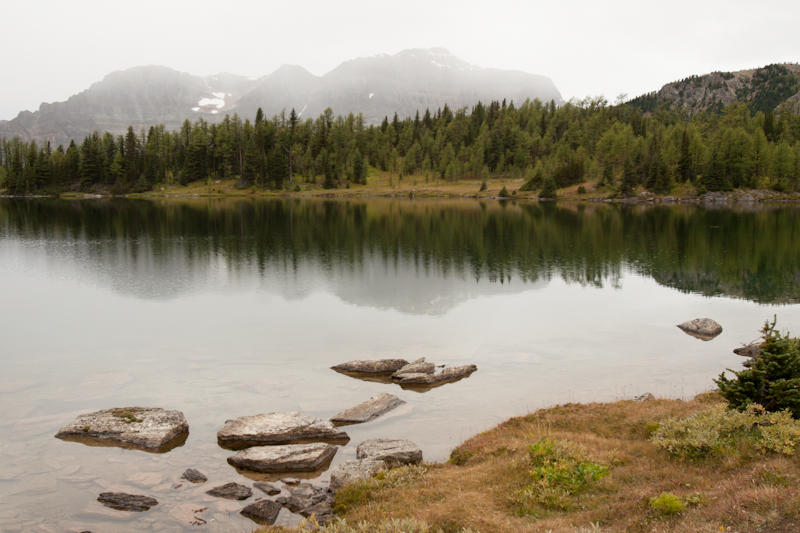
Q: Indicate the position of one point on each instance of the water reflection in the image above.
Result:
(417, 257)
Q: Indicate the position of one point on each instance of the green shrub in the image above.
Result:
(548, 189)
(581, 190)
(503, 192)
(559, 470)
(719, 431)
(483, 186)
(773, 378)
(667, 503)
(459, 457)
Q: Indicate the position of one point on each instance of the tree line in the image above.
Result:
(618, 147)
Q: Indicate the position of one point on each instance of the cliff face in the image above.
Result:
(376, 86)
(764, 89)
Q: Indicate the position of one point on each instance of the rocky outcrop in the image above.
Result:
(145, 428)
(286, 458)
(447, 375)
(417, 367)
(371, 366)
(127, 502)
(194, 476)
(264, 512)
(352, 471)
(277, 428)
(367, 410)
(701, 328)
(751, 350)
(231, 491)
(392, 452)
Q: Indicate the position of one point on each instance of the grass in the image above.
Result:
(603, 466)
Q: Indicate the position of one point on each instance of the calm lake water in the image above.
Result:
(225, 308)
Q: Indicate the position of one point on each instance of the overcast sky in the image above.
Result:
(53, 49)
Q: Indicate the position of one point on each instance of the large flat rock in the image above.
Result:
(231, 491)
(447, 375)
(393, 452)
(367, 410)
(146, 428)
(122, 501)
(417, 367)
(277, 428)
(286, 458)
(701, 328)
(352, 471)
(371, 366)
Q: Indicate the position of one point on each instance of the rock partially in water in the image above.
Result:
(417, 367)
(306, 499)
(231, 491)
(447, 375)
(367, 410)
(371, 366)
(263, 512)
(194, 476)
(290, 481)
(145, 428)
(122, 501)
(267, 488)
(352, 471)
(751, 350)
(701, 328)
(286, 458)
(277, 428)
(393, 452)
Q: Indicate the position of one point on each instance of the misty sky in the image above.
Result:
(53, 49)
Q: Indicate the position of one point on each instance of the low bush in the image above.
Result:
(559, 470)
(667, 504)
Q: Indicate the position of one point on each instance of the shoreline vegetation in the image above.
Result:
(725, 460)
(580, 149)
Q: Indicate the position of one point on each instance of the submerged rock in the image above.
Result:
(231, 491)
(367, 410)
(267, 488)
(352, 471)
(277, 428)
(393, 452)
(702, 328)
(194, 476)
(127, 502)
(264, 512)
(371, 366)
(447, 375)
(146, 428)
(286, 458)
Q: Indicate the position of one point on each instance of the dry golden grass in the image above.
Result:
(739, 492)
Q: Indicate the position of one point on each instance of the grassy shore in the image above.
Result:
(583, 468)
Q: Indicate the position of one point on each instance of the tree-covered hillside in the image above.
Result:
(618, 148)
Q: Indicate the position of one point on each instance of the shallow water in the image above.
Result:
(224, 308)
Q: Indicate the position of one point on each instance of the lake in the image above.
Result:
(224, 308)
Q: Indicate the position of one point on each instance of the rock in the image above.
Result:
(286, 458)
(290, 481)
(702, 328)
(126, 502)
(447, 375)
(367, 410)
(263, 512)
(194, 476)
(267, 488)
(322, 512)
(231, 491)
(352, 471)
(646, 397)
(393, 452)
(371, 366)
(277, 428)
(307, 500)
(150, 429)
(417, 367)
(751, 350)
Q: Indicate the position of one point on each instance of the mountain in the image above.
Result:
(376, 86)
(764, 89)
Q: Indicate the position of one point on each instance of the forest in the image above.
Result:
(617, 148)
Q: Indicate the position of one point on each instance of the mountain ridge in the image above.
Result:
(376, 86)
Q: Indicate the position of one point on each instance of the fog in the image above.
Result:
(52, 49)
